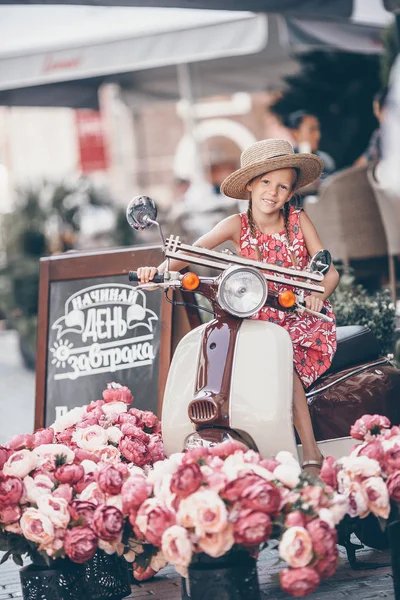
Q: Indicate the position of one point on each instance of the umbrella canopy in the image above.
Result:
(311, 8)
(71, 51)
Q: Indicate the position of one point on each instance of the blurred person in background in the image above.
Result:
(306, 132)
(373, 151)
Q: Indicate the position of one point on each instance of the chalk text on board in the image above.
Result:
(106, 327)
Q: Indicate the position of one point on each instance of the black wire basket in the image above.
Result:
(106, 577)
(64, 580)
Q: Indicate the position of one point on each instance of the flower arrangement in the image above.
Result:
(370, 476)
(62, 488)
(225, 498)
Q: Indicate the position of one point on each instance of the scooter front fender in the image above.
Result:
(179, 391)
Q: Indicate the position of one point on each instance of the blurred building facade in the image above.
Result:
(131, 151)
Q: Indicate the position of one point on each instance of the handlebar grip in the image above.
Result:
(323, 311)
(158, 278)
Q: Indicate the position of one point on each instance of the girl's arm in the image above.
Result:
(313, 244)
(227, 230)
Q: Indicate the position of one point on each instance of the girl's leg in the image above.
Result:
(302, 422)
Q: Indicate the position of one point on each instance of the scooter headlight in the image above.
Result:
(242, 291)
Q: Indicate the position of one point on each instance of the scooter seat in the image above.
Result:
(356, 344)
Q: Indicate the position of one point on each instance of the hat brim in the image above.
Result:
(309, 167)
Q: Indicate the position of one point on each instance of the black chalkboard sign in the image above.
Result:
(95, 327)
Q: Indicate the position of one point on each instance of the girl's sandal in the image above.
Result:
(313, 463)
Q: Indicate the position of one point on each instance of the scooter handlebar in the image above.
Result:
(158, 278)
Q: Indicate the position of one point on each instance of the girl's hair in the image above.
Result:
(285, 211)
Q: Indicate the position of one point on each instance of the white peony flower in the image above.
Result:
(114, 434)
(113, 409)
(56, 509)
(288, 474)
(90, 438)
(34, 488)
(20, 463)
(89, 466)
(286, 458)
(49, 452)
(69, 419)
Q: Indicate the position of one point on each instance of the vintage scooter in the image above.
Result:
(231, 377)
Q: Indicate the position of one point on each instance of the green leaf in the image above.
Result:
(17, 558)
(5, 557)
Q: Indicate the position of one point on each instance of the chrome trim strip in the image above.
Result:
(220, 265)
(174, 245)
(358, 370)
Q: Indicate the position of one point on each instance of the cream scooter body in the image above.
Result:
(261, 387)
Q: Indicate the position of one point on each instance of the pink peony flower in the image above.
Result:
(141, 573)
(21, 441)
(391, 459)
(205, 511)
(117, 393)
(135, 432)
(358, 502)
(156, 448)
(296, 547)
(84, 483)
(109, 454)
(65, 437)
(227, 448)
(327, 565)
(252, 529)
(43, 436)
(134, 450)
(197, 455)
(176, 546)
(95, 404)
(11, 490)
(377, 495)
(10, 514)
(4, 454)
(81, 455)
(186, 480)
(79, 509)
(20, 463)
(149, 418)
(111, 477)
(132, 417)
(56, 509)
(254, 493)
(328, 472)
(153, 519)
(63, 491)
(108, 522)
(135, 491)
(217, 544)
(80, 544)
(322, 536)
(369, 424)
(295, 519)
(70, 474)
(372, 449)
(37, 527)
(269, 463)
(299, 582)
(92, 493)
(393, 485)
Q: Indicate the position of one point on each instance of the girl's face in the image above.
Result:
(270, 191)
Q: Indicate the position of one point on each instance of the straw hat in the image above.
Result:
(269, 155)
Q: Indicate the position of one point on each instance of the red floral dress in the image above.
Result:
(314, 340)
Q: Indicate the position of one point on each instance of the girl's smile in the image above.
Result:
(272, 190)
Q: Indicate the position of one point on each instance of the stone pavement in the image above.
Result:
(361, 584)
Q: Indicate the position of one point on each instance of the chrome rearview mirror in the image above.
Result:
(321, 261)
(141, 213)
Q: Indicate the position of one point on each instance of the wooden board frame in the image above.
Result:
(100, 263)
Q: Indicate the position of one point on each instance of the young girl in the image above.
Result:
(273, 232)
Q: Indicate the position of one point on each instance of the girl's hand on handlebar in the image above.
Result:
(146, 274)
(314, 303)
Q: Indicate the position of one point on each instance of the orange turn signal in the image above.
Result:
(190, 281)
(287, 299)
